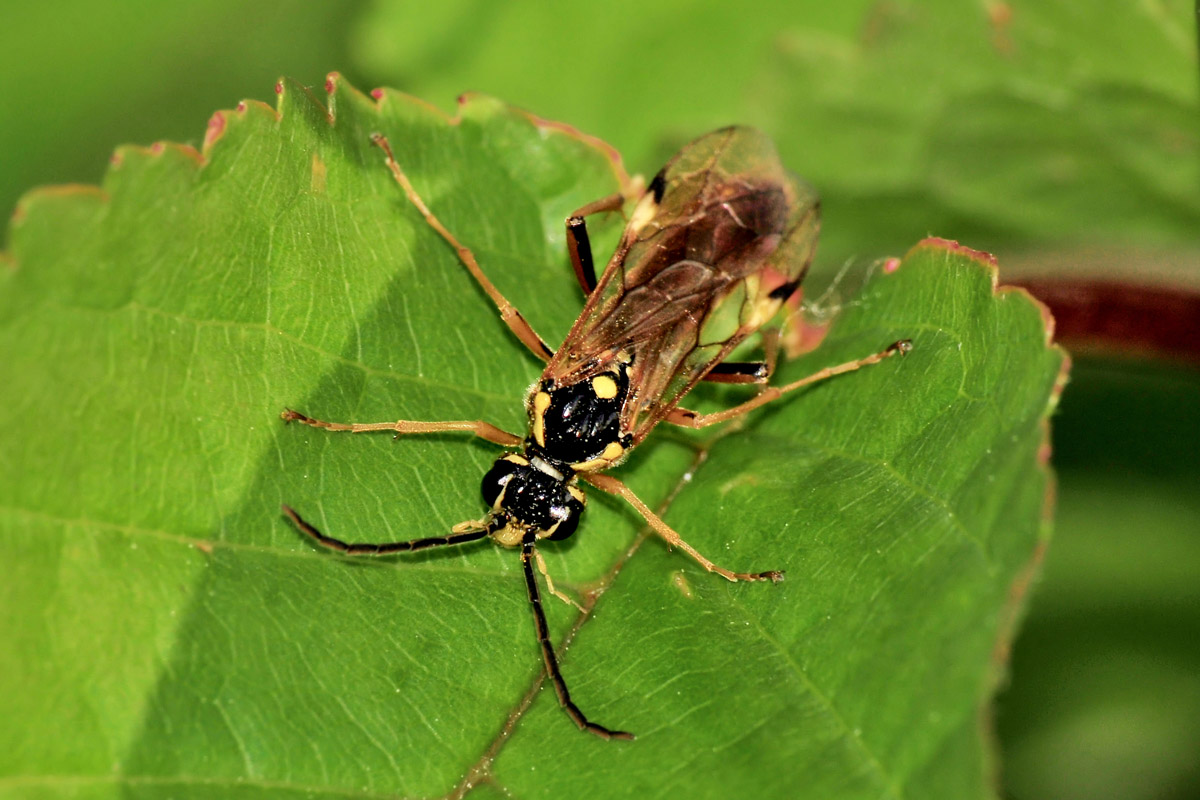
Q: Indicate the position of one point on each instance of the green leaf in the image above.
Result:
(165, 633)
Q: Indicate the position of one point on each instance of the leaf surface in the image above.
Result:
(167, 634)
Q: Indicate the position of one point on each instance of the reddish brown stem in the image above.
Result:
(1122, 317)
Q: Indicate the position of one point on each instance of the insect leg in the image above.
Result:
(579, 246)
(462, 533)
(690, 419)
(541, 565)
(609, 484)
(739, 372)
(543, 635)
(508, 312)
(484, 430)
(749, 371)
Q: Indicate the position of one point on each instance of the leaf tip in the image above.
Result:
(218, 124)
(384, 95)
(214, 131)
(990, 262)
(952, 246)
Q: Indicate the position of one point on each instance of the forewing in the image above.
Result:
(721, 238)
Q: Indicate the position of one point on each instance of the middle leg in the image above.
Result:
(609, 484)
(690, 419)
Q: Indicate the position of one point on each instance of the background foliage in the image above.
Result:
(1058, 136)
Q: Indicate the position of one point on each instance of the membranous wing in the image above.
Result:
(721, 238)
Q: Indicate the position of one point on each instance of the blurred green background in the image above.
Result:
(1062, 136)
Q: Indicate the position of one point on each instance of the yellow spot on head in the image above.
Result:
(604, 387)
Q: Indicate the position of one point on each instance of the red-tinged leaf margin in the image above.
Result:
(631, 185)
(1026, 578)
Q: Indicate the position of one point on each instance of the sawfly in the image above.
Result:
(717, 243)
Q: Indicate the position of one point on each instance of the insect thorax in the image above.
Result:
(573, 428)
(579, 425)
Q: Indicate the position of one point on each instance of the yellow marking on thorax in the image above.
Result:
(611, 453)
(604, 387)
(541, 401)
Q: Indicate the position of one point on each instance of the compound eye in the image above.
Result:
(496, 479)
(569, 523)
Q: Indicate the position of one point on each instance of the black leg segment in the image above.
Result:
(579, 247)
(386, 547)
(543, 635)
(749, 371)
